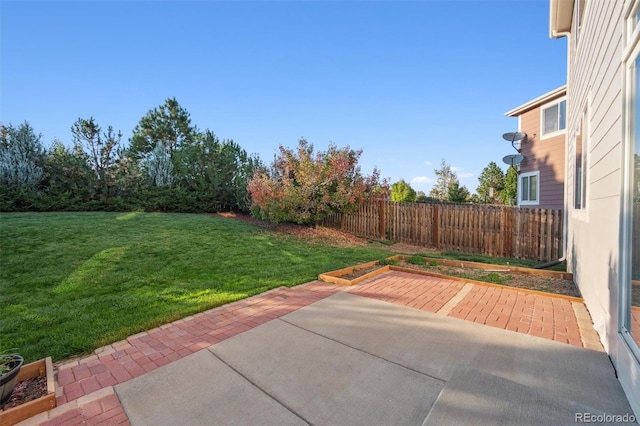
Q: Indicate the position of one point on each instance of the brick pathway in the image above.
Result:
(85, 386)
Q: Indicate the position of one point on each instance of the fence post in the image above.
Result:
(381, 224)
(508, 245)
(435, 226)
(342, 221)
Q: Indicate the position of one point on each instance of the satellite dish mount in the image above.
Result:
(516, 139)
(513, 159)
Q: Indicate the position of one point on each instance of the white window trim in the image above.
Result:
(630, 89)
(544, 136)
(522, 202)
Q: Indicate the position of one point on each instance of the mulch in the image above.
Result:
(26, 391)
(325, 234)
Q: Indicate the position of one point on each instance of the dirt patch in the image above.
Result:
(358, 272)
(410, 249)
(26, 391)
(328, 235)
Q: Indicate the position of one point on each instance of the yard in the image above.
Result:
(72, 282)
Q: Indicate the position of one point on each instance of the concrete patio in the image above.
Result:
(455, 353)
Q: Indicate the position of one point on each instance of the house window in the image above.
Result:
(529, 188)
(580, 181)
(554, 118)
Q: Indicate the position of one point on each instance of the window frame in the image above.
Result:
(546, 106)
(529, 202)
(631, 89)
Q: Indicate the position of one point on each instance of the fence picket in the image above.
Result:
(486, 229)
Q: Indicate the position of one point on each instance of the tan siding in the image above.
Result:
(545, 156)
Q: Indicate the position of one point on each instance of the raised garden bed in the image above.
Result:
(355, 274)
(529, 279)
(31, 375)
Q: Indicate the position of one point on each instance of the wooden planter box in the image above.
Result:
(335, 276)
(43, 367)
(511, 268)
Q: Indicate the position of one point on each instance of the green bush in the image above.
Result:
(416, 260)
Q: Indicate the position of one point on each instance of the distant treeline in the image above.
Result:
(167, 165)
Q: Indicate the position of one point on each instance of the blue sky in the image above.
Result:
(410, 83)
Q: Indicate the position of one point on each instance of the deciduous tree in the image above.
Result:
(305, 187)
(446, 178)
(401, 191)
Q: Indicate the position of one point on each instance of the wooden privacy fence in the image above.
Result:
(491, 230)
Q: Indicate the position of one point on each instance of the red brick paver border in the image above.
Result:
(144, 352)
(509, 308)
(85, 386)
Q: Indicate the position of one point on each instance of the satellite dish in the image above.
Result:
(514, 136)
(512, 159)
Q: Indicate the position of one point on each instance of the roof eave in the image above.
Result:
(540, 100)
(560, 14)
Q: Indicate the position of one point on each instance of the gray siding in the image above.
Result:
(595, 80)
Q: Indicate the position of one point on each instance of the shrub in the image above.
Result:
(416, 260)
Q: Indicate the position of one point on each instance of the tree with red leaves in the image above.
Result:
(304, 187)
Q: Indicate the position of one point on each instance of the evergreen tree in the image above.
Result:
(457, 193)
(491, 183)
(69, 179)
(158, 166)
(510, 191)
(169, 124)
(102, 150)
(20, 157)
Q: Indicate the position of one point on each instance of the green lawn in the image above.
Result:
(72, 282)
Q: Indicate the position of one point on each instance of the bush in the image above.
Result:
(416, 260)
(305, 187)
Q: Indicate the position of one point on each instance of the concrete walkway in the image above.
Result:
(87, 387)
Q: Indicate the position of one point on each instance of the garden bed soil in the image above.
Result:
(502, 275)
(34, 393)
(26, 391)
(553, 282)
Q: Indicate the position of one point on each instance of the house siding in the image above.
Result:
(595, 82)
(546, 156)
